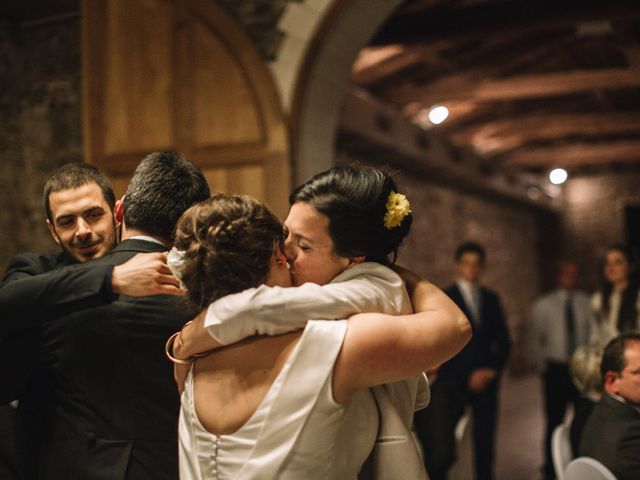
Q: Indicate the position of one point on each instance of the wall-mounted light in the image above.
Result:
(558, 176)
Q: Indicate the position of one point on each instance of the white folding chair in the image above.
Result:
(561, 451)
(587, 468)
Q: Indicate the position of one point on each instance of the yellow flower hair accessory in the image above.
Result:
(398, 207)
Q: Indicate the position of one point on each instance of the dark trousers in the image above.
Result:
(436, 425)
(8, 467)
(558, 393)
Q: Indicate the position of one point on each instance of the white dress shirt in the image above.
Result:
(549, 338)
(605, 327)
(471, 296)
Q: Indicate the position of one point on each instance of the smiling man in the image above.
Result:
(80, 218)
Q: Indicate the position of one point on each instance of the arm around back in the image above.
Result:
(380, 349)
(35, 288)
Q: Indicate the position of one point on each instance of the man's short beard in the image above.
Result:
(117, 233)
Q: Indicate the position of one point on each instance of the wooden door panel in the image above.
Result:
(246, 179)
(138, 83)
(181, 75)
(228, 114)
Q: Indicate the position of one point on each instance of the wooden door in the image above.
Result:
(181, 75)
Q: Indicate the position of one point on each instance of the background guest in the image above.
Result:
(616, 306)
(612, 432)
(471, 377)
(585, 373)
(560, 323)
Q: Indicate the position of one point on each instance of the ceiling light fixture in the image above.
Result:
(558, 176)
(438, 114)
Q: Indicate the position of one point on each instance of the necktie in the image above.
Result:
(570, 325)
(475, 305)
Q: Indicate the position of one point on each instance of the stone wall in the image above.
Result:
(40, 125)
(260, 20)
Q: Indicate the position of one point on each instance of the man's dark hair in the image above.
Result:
(613, 357)
(163, 186)
(75, 175)
(470, 247)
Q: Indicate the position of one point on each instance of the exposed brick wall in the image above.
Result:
(510, 233)
(40, 126)
(594, 216)
(519, 255)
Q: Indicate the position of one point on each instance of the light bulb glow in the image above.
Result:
(438, 114)
(558, 176)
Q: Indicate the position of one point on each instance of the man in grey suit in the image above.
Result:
(612, 432)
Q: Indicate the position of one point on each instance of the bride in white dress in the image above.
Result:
(277, 407)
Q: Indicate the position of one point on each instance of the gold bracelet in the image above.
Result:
(169, 347)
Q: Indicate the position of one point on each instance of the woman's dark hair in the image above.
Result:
(229, 242)
(354, 199)
(628, 310)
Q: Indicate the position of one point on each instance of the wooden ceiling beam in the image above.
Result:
(375, 72)
(447, 21)
(497, 138)
(462, 87)
(372, 65)
(576, 155)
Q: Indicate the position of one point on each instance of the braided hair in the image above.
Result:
(228, 241)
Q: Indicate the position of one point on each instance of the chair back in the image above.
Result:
(561, 451)
(587, 468)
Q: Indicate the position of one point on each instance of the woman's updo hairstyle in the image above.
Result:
(354, 199)
(229, 241)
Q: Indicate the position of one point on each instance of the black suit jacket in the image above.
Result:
(612, 436)
(581, 413)
(490, 344)
(115, 406)
(35, 288)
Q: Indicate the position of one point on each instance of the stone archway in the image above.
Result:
(313, 69)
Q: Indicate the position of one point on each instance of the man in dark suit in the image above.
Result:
(36, 287)
(612, 432)
(115, 406)
(79, 203)
(471, 377)
(26, 298)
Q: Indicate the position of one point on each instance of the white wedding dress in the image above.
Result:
(279, 441)
(296, 431)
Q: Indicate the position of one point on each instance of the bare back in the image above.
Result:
(231, 382)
